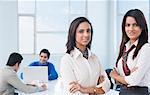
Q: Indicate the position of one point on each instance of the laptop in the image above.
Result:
(35, 75)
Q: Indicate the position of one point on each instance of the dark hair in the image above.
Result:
(72, 33)
(143, 38)
(14, 58)
(45, 51)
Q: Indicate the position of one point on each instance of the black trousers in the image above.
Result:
(134, 90)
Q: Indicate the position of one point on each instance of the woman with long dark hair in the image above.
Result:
(80, 69)
(133, 63)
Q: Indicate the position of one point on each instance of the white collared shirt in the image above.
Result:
(140, 77)
(74, 67)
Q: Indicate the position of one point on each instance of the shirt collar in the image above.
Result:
(128, 44)
(76, 53)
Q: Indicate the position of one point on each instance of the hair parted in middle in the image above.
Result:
(141, 22)
(71, 42)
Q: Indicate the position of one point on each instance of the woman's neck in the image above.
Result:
(81, 48)
(84, 51)
(132, 41)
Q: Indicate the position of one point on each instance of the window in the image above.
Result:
(123, 6)
(26, 34)
(44, 24)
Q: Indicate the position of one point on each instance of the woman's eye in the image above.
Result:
(134, 25)
(81, 31)
(88, 30)
(127, 25)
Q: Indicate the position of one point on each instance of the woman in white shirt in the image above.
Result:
(133, 63)
(80, 69)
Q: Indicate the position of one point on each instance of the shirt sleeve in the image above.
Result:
(106, 83)
(52, 72)
(143, 64)
(67, 74)
(19, 85)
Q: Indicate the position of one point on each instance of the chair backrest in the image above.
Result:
(108, 72)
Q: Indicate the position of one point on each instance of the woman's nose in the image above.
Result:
(86, 33)
(131, 27)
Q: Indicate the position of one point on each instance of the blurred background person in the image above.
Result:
(43, 61)
(9, 80)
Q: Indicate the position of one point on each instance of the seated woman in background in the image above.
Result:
(43, 61)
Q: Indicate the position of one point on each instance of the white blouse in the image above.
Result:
(74, 67)
(140, 77)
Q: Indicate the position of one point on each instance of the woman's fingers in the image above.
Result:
(113, 73)
(101, 79)
(74, 90)
(74, 87)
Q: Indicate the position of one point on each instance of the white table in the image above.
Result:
(54, 88)
(51, 89)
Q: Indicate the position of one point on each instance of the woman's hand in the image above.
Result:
(118, 78)
(101, 79)
(113, 73)
(74, 86)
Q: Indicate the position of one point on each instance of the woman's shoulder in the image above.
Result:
(146, 46)
(66, 61)
(93, 55)
(66, 55)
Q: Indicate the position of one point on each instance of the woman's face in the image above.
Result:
(83, 35)
(43, 58)
(132, 30)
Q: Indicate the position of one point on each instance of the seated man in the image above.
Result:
(43, 61)
(9, 80)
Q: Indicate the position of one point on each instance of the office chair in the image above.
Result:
(108, 72)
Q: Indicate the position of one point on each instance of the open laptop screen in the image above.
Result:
(35, 74)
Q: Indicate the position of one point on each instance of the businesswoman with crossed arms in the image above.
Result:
(133, 63)
(80, 68)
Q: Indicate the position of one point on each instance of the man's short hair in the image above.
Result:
(45, 51)
(14, 58)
